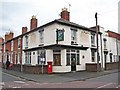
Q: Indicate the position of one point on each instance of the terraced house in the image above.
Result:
(63, 46)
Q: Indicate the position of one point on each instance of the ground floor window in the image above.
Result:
(56, 57)
(28, 58)
(93, 55)
(72, 55)
(110, 57)
(41, 57)
(18, 58)
(11, 60)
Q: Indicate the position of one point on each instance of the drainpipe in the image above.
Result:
(98, 66)
(101, 52)
(117, 48)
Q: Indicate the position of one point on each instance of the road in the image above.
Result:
(106, 81)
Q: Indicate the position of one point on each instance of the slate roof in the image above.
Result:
(60, 21)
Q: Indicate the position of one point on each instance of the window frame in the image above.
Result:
(26, 41)
(92, 39)
(41, 36)
(105, 43)
(12, 45)
(40, 55)
(55, 53)
(73, 51)
(73, 36)
(93, 56)
(28, 58)
(19, 42)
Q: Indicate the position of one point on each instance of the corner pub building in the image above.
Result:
(65, 45)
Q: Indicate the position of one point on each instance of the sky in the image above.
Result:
(16, 14)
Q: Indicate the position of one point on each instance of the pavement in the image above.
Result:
(57, 78)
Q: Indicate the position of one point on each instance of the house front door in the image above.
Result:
(73, 62)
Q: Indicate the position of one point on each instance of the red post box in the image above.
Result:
(49, 67)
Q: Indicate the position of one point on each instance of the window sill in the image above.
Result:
(74, 44)
(57, 65)
(42, 44)
(78, 64)
(68, 65)
(28, 64)
(40, 65)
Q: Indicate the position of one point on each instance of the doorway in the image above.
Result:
(105, 56)
(73, 62)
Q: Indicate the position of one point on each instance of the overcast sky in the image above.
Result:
(17, 13)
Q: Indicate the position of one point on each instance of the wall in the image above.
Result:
(30, 69)
(63, 67)
(84, 37)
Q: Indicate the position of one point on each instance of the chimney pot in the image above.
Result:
(65, 14)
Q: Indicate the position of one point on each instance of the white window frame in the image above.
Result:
(26, 41)
(28, 57)
(76, 52)
(18, 60)
(39, 57)
(93, 51)
(41, 36)
(19, 42)
(105, 43)
(73, 36)
(93, 39)
(12, 45)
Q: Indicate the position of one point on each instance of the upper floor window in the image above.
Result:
(104, 42)
(73, 36)
(12, 43)
(19, 41)
(41, 36)
(92, 39)
(26, 41)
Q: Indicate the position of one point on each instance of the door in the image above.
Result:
(73, 62)
(105, 60)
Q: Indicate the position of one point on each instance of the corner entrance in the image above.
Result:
(73, 62)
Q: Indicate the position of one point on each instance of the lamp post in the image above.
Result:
(98, 68)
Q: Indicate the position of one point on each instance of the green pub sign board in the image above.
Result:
(60, 35)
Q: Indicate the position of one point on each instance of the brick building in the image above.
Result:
(1, 49)
(67, 45)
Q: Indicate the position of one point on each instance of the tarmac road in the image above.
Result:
(106, 81)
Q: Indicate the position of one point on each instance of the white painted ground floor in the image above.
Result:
(63, 59)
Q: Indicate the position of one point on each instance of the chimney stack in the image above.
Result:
(33, 23)
(65, 14)
(24, 30)
(9, 36)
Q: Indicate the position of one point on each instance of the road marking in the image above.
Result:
(118, 86)
(105, 85)
(26, 84)
(16, 87)
(19, 81)
(13, 76)
(43, 83)
(2, 83)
